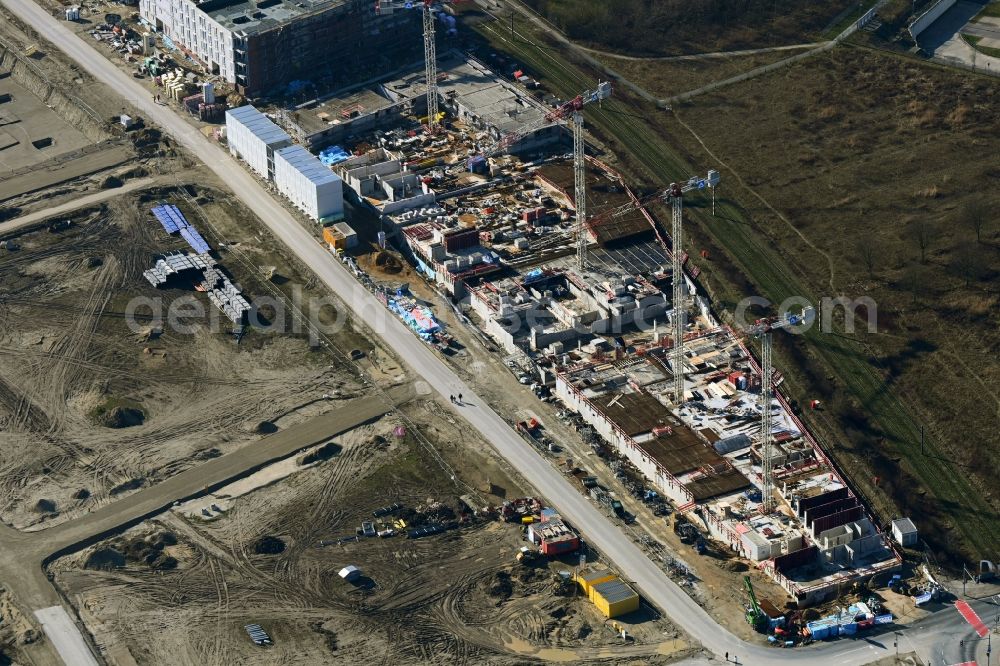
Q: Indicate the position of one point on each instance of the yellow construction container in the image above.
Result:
(614, 598)
(588, 578)
(334, 239)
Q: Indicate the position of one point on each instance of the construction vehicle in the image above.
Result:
(527, 557)
(756, 617)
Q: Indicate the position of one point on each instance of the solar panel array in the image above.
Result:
(172, 220)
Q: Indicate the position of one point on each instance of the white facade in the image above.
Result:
(254, 139)
(184, 23)
(311, 187)
(904, 532)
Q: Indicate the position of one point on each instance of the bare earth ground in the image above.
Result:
(67, 350)
(25, 119)
(450, 598)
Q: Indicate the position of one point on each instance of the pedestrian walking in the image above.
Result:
(460, 398)
(452, 398)
(727, 656)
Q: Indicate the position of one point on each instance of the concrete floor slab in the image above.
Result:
(65, 636)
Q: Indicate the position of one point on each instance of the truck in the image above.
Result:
(617, 507)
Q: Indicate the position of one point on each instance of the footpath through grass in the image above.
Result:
(958, 520)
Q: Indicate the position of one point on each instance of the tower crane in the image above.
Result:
(674, 195)
(572, 109)
(762, 328)
(430, 49)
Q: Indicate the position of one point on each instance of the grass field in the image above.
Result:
(678, 27)
(843, 154)
(666, 78)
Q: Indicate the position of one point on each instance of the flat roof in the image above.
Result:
(308, 165)
(252, 17)
(614, 591)
(723, 483)
(904, 525)
(258, 124)
(473, 86)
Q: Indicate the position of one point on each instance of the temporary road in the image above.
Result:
(654, 584)
(23, 554)
(76, 204)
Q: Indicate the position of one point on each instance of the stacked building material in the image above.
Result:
(174, 263)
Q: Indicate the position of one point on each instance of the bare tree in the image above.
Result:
(866, 252)
(969, 262)
(915, 280)
(975, 215)
(920, 231)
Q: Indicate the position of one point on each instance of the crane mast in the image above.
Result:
(763, 329)
(677, 282)
(580, 189)
(767, 437)
(430, 68)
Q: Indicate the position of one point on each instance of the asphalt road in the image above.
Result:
(596, 528)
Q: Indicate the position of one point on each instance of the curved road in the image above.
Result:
(607, 538)
(23, 554)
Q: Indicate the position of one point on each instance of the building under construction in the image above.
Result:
(264, 46)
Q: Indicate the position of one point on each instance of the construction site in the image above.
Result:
(581, 305)
(362, 548)
(480, 213)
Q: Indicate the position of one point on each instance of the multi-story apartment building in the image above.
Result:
(263, 45)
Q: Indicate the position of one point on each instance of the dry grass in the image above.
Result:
(852, 151)
(666, 78)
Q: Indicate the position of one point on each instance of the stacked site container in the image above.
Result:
(254, 139)
(312, 187)
(614, 598)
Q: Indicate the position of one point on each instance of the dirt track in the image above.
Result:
(431, 601)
